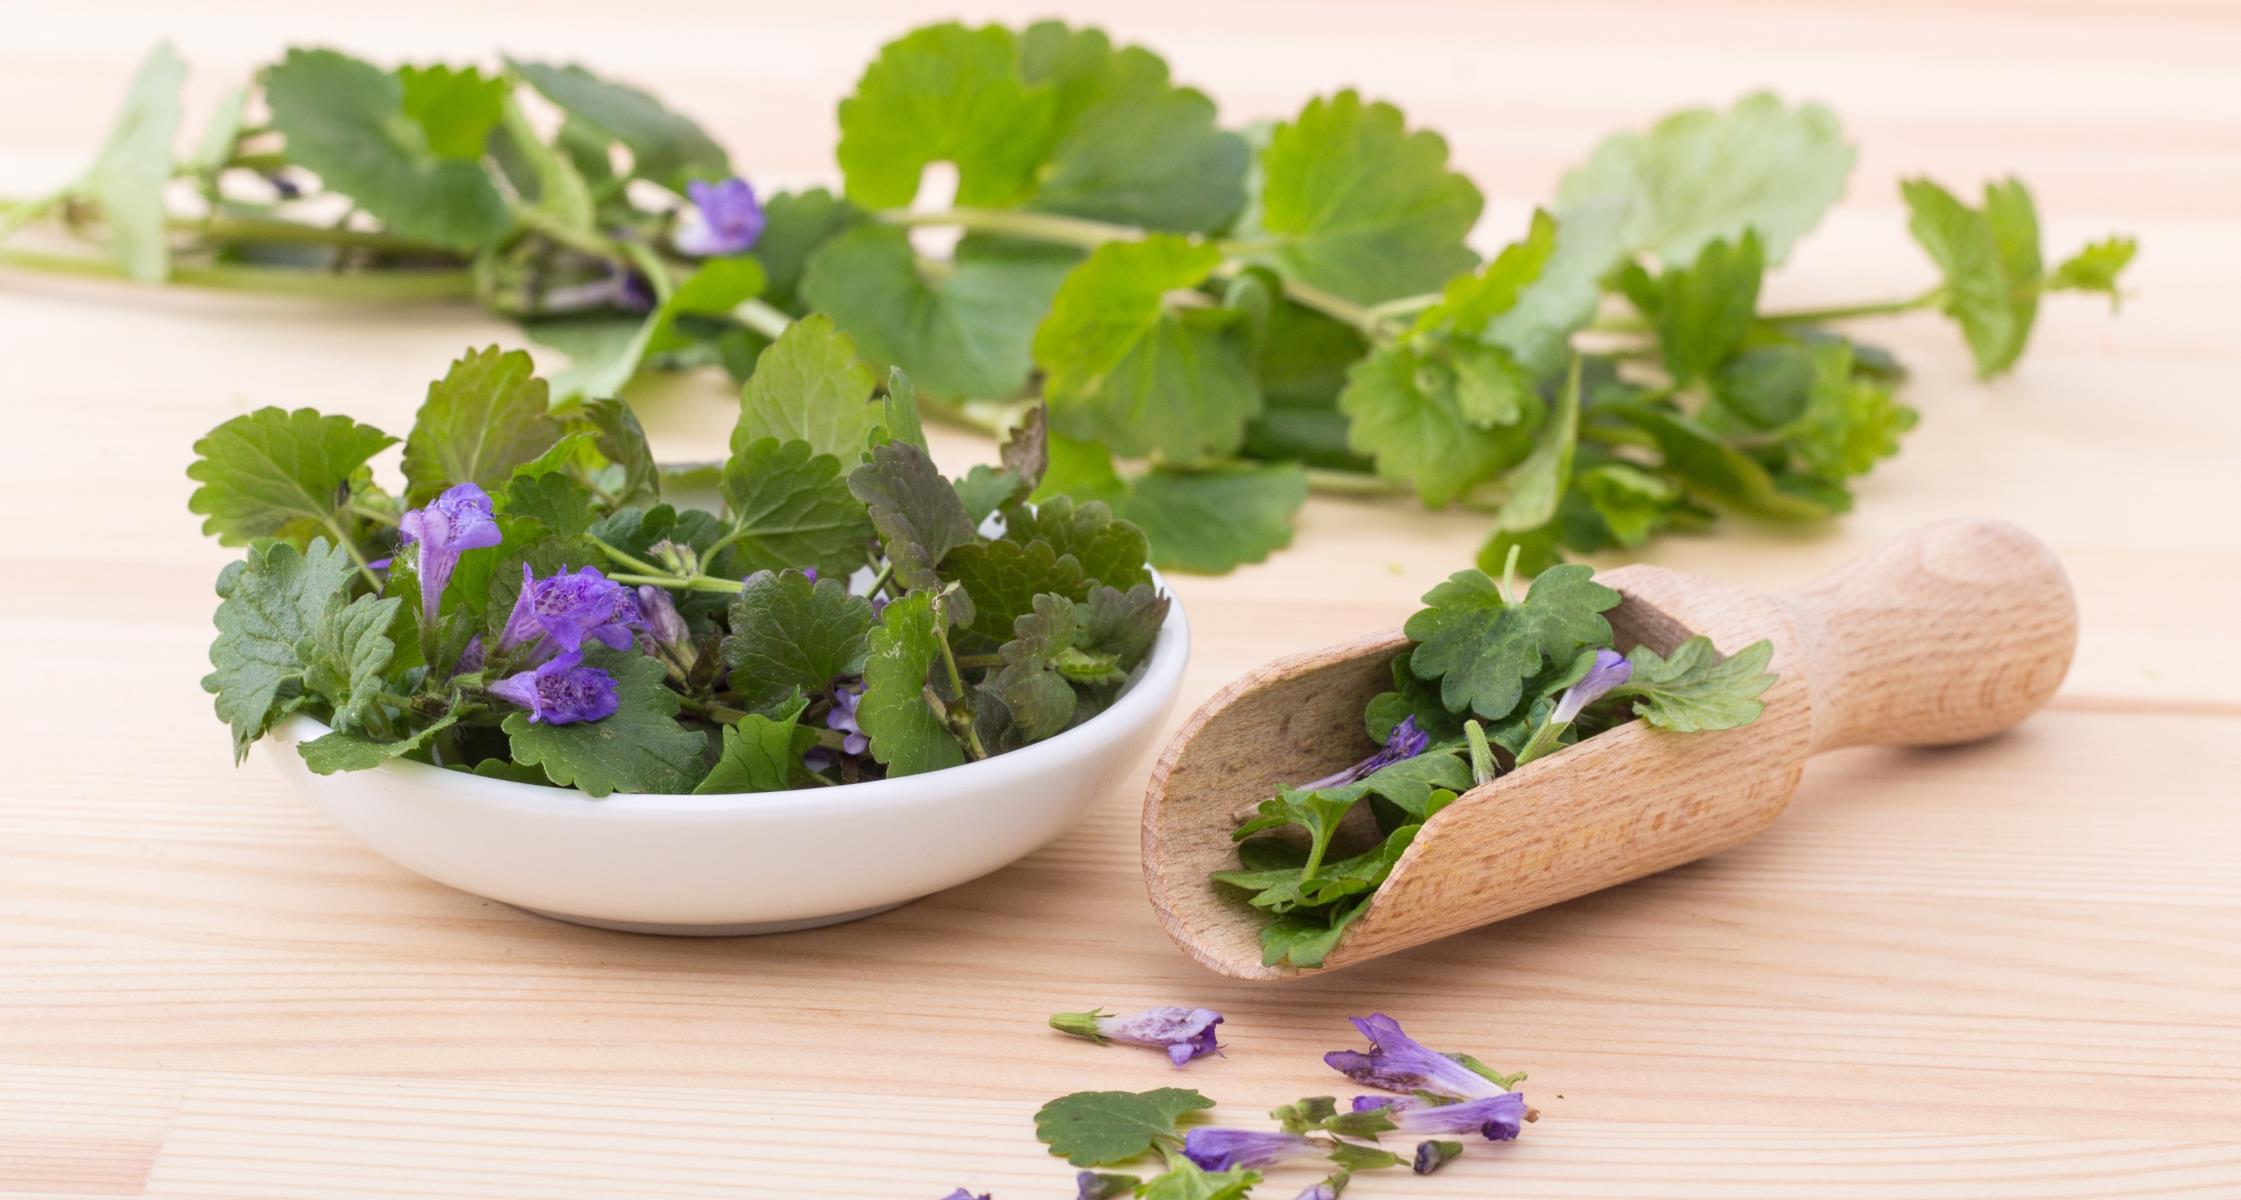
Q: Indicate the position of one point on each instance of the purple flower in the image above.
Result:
(809, 573)
(1185, 1033)
(1399, 1063)
(570, 608)
(1497, 1118)
(1431, 1156)
(1327, 1189)
(1230, 1149)
(471, 657)
(663, 623)
(561, 691)
(1090, 1185)
(1610, 670)
(725, 219)
(842, 717)
(1404, 742)
(962, 1194)
(450, 525)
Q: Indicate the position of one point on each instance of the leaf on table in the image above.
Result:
(276, 473)
(270, 602)
(795, 224)
(809, 386)
(906, 733)
(789, 506)
(2095, 268)
(1126, 365)
(945, 93)
(486, 416)
(338, 751)
(1539, 481)
(129, 173)
(1421, 410)
(345, 654)
(964, 327)
(664, 146)
(1357, 205)
(1128, 146)
(640, 748)
(1470, 303)
(1700, 175)
(1696, 690)
(1094, 1129)
(1711, 468)
(1537, 328)
(914, 508)
(791, 634)
(1217, 518)
(1704, 311)
(455, 107)
(1990, 259)
(1186, 1180)
(1482, 648)
(344, 120)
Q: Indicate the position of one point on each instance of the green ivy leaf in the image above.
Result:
(337, 751)
(269, 603)
(1537, 328)
(760, 754)
(1482, 648)
(456, 108)
(344, 120)
(622, 441)
(129, 174)
(1714, 469)
(1990, 259)
(1471, 302)
(789, 506)
(1186, 1180)
(795, 224)
(1129, 147)
(1123, 624)
(917, 513)
(640, 748)
(906, 733)
(1539, 481)
(2095, 268)
(485, 417)
(554, 500)
(1034, 684)
(275, 473)
(1111, 551)
(664, 146)
(809, 387)
(1696, 690)
(1218, 518)
(345, 654)
(1357, 205)
(1003, 578)
(1630, 501)
(1700, 175)
(1704, 311)
(945, 93)
(1421, 410)
(1304, 939)
(961, 328)
(791, 635)
(1094, 1129)
(1125, 365)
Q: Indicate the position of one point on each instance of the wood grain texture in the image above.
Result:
(2005, 969)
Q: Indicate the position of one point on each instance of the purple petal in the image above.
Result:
(1185, 1033)
(1398, 1063)
(1231, 1149)
(1610, 670)
(725, 219)
(1496, 1118)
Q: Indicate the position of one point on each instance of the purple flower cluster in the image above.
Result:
(725, 219)
(561, 691)
(1468, 1101)
(552, 619)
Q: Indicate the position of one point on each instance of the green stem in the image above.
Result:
(683, 583)
(974, 662)
(956, 681)
(762, 318)
(350, 546)
(1543, 741)
(1845, 312)
(15, 214)
(253, 229)
(1034, 226)
(278, 281)
(722, 714)
(629, 560)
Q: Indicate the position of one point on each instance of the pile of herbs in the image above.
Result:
(541, 604)
(1218, 319)
(1495, 676)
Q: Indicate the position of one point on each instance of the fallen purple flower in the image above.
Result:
(1431, 1156)
(1185, 1033)
(1399, 1063)
(1231, 1149)
(1496, 1118)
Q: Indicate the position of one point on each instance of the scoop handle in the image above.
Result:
(1954, 632)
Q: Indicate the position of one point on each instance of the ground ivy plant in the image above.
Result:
(1218, 319)
(1496, 675)
(543, 602)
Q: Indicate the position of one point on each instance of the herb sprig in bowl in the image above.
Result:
(532, 607)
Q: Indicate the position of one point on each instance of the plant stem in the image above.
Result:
(1034, 226)
(400, 286)
(15, 214)
(956, 681)
(350, 546)
(1845, 312)
(722, 714)
(762, 318)
(632, 561)
(683, 583)
(974, 662)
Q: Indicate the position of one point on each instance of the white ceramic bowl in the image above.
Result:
(749, 863)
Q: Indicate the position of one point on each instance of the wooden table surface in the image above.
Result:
(2012, 969)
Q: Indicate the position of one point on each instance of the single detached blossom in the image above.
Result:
(1404, 742)
(561, 691)
(1091, 1185)
(962, 1194)
(450, 525)
(1397, 1062)
(569, 609)
(1327, 1189)
(1185, 1033)
(1496, 1118)
(1431, 1156)
(1610, 670)
(1231, 1149)
(725, 219)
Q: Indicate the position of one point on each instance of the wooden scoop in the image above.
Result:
(1954, 632)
